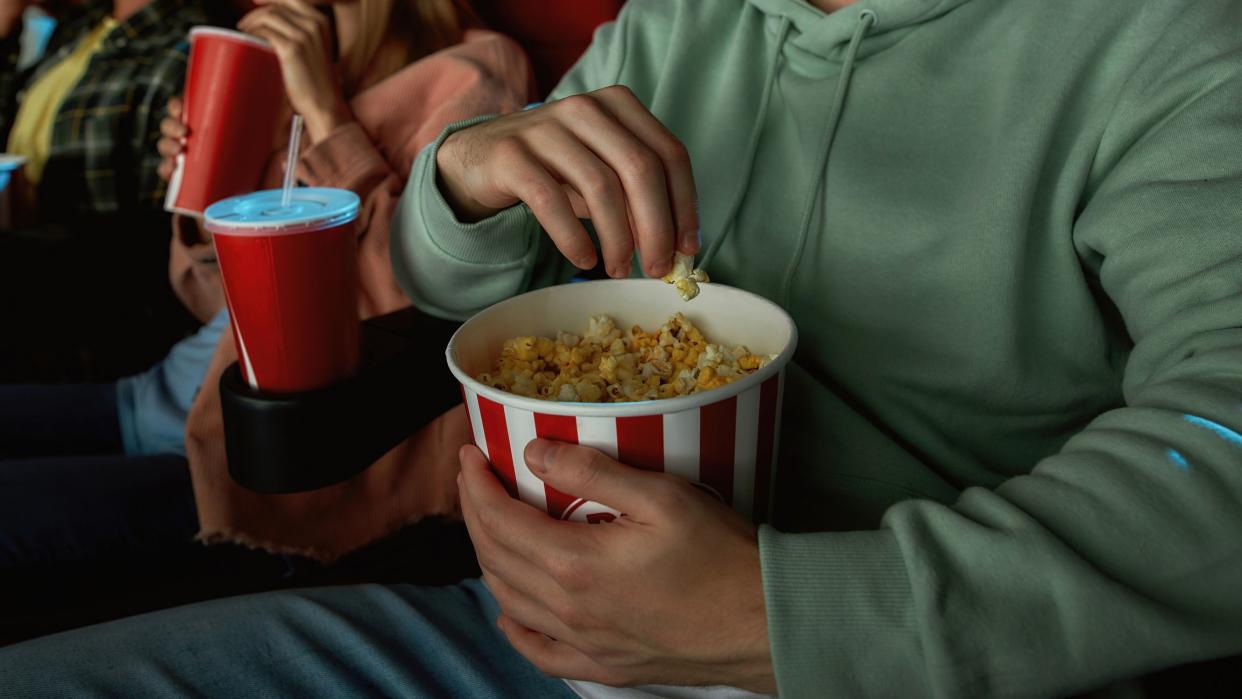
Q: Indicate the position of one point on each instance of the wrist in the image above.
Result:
(449, 178)
(323, 120)
(755, 671)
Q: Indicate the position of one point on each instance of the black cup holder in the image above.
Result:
(295, 442)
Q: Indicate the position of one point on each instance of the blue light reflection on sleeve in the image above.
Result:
(1216, 428)
(1178, 460)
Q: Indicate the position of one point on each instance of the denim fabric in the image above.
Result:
(79, 509)
(58, 420)
(360, 641)
(152, 406)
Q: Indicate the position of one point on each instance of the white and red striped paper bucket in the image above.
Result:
(724, 439)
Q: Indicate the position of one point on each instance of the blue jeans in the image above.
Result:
(59, 420)
(77, 515)
(152, 406)
(361, 641)
(68, 493)
(89, 534)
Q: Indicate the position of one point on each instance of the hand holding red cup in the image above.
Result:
(232, 107)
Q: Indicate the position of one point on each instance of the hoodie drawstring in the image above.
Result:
(752, 147)
(866, 20)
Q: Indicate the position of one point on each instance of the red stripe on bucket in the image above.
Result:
(563, 428)
(717, 427)
(766, 441)
(466, 404)
(640, 442)
(496, 431)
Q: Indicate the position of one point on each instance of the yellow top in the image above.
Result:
(31, 134)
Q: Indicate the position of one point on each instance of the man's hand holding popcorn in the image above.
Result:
(668, 593)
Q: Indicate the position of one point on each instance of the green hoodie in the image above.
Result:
(1010, 232)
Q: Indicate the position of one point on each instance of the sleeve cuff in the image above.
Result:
(477, 243)
(841, 616)
(343, 158)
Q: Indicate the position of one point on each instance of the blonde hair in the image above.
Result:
(395, 33)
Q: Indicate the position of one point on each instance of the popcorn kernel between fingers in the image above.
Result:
(685, 277)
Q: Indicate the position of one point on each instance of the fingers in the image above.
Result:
(591, 474)
(287, 20)
(273, 25)
(172, 127)
(597, 184)
(513, 524)
(525, 609)
(601, 154)
(555, 658)
(530, 182)
(494, 557)
(298, 6)
(679, 176)
(521, 587)
(304, 15)
(173, 133)
(169, 147)
(165, 169)
(639, 170)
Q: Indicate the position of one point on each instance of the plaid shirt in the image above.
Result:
(103, 155)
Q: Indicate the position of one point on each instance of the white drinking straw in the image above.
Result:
(295, 139)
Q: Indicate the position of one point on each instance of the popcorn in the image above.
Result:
(608, 365)
(685, 277)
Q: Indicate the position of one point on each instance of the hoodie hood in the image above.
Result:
(826, 35)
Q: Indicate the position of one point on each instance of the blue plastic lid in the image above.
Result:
(260, 213)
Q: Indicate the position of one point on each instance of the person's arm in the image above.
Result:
(192, 269)
(453, 260)
(452, 269)
(1121, 554)
(485, 76)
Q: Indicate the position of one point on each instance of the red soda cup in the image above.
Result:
(233, 104)
(291, 282)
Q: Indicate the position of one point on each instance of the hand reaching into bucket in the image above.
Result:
(601, 156)
(671, 593)
(302, 37)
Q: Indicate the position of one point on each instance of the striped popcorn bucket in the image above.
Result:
(725, 439)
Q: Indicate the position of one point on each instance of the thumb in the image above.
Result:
(589, 473)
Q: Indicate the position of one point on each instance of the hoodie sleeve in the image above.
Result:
(453, 269)
(1119, 555)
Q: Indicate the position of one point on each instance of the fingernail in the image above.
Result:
(539, 454)
(620, 271)
(659, 268)
(692, 239)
